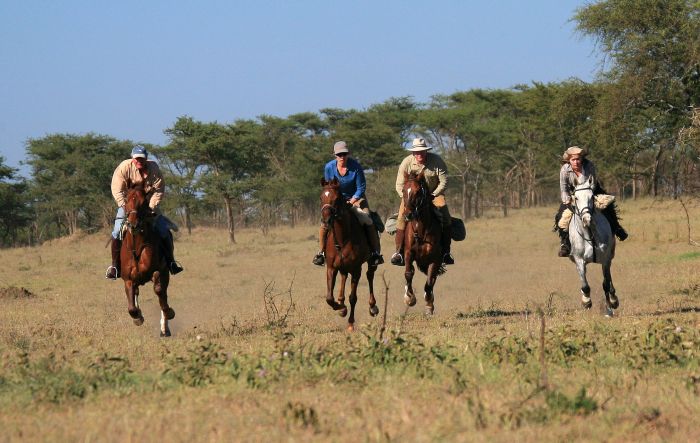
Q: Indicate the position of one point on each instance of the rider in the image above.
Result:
(352, 187)
(435, 173)
(139, 171)
(576, 169)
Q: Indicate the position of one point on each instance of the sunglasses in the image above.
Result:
(342, 154)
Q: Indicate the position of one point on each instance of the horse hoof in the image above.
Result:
(587, 304)
(170, 313)
(351, 328)
(373, 310)
(609, 313)
(138, 321)
(343, 311)
(429, 310)
(614, 302)
(410, 301)
(136, 314)
(165, 334)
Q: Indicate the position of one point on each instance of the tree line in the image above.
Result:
(640, 120)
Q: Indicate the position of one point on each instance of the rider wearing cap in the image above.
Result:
(435, 172)
(349, 173)
(576, 168)
(138, 171)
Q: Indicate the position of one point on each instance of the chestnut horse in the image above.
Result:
(421, 239)
(346, 249)
(142, 259)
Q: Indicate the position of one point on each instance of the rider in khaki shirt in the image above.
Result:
(138, 171)
(435, 173)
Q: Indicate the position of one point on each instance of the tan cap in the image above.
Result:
(574, 150)
(340, 147)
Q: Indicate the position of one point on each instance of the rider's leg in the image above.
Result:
(564, 242)
(319, 258)
(361, 208)
(397, 258)
(446, 237)
(168, 248)
(113, 270)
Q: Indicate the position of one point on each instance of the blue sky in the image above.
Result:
(129, 68)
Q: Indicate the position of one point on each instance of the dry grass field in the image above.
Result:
(257, 355)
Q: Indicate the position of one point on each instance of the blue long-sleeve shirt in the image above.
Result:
(353, 183)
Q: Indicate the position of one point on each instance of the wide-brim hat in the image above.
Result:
(574, 150)
(340, 147)
(418, 145)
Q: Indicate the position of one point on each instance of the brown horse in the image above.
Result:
(142, 259)
(422, 238)
(346, 249)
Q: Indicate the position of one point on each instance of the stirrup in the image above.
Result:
(447, 259)
(175, 268)
(319, 259)
(397, 259)
(108, 274)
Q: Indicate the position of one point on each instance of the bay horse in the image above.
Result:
(422, 239)
(346, 249)
(592, 241)
(142, 260)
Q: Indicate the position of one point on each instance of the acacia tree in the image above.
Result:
(654, 51)
(72, 177)
(15, 213)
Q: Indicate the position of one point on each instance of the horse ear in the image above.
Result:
(405, 175)
(334, 182)
(421, 176)
(323, 181)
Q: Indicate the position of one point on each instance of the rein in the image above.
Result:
(413, 215)
(330, 223)
(580, 229)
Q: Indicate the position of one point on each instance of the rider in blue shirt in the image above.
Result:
(352, 187)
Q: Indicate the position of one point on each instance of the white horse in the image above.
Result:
(592, 241)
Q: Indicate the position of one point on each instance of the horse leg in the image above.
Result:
(331, 274)
(586, 301)
(610, 298)
(160, 287)
(354, 279)
(409, 297)
(341, 294)
(429, 296)
(132, 294)
(373, 309)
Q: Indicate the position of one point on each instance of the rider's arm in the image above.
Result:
(360, 183)
(158, 185)
(564, 185)
(441, 171)
(119, 180)
(403, 169)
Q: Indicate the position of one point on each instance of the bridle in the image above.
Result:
(334, 210)
(588, 209)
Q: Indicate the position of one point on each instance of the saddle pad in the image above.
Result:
(602, 201)
(565, 219)
(459, 229)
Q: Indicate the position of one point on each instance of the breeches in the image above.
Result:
(439, 202)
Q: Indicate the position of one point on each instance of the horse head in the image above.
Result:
(583, 201)
(136, 209)
(331, 200)
(414, 194)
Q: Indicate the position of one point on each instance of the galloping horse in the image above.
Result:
(592, 241)
(142, 259)
(422, 238)
(346, 249)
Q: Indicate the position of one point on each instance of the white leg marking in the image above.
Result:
(163, 322)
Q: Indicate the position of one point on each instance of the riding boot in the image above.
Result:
(397, 258)
(114, 270)
(446, 243)
(169, 252)
(319, 259)
(565, 247)
(375, 257)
